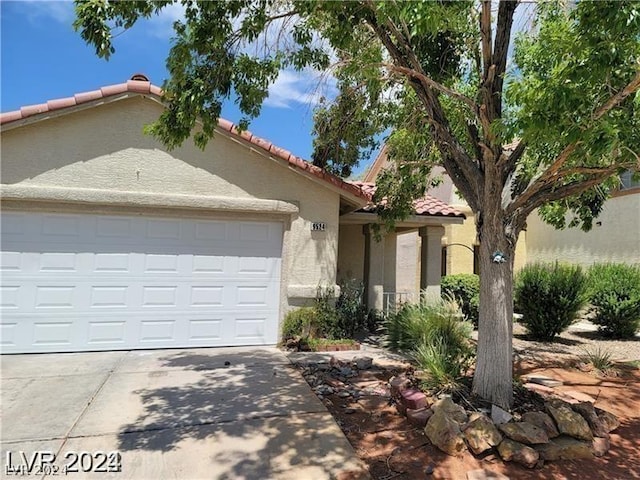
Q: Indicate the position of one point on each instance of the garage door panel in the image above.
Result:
(101, 282)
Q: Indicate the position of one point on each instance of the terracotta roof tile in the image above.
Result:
(140, 86)
(428, 205)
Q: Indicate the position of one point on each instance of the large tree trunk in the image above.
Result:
(494, 365)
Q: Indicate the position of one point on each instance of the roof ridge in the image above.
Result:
(145, 87)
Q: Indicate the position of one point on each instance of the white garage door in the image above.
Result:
(97, 282)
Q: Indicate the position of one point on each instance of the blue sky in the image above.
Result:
(44, 58)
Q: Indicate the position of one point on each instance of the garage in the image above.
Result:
(82, 282)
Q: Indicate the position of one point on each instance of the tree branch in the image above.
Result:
(500, 51)
(485, 35)
(409, 72)
(550, 175)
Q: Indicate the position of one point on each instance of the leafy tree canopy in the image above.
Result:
(520, 118)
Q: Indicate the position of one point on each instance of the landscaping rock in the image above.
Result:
(564, 448)
(524, 432)
(499, 415)
(344, 394)
(413, 399)
(546, 381)
(541, 389)
(581, 397)
(481, 474)
(609, 420)
(588, 412)
(419, 418)
(363, 363)
(512, 451)
(569, 422)
(398, 384)
(600, 446)
(453, 411)
(481, 434)
(543, 421)
(445, 434)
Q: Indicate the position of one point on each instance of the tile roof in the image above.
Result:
(428, 205)
(139, 84)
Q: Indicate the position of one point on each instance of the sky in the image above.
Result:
(43, 58)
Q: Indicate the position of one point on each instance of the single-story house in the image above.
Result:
(110, 241)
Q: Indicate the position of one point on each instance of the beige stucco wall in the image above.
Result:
(351, 253)
(408, 263)
(616, 239)
(103, 149)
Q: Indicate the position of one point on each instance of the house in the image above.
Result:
(459, 242)
(615, 236)
(109, 241)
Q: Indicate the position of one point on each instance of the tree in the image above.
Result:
(521, 119)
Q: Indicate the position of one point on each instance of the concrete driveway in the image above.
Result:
(196, 413)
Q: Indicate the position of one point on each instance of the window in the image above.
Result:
(627, 181)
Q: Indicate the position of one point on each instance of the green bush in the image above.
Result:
(435, 336)
(464, 288)
(549, 297)
(614, 293)
(328, 323)
(352, 312)
(298, 323)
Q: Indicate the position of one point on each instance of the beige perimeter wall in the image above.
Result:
(615, 239)
(102, 150)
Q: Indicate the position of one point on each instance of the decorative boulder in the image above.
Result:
(588, 412)
(565, 448)
(543, 421)
(511, 451)
(524, 432)
(481, 434)
(445, 434)
(569, 422)
(609, 420)
(453, 411)
(600, 446)
(419, 417)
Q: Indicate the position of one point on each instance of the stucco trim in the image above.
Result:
(144, 199)
(362, 218)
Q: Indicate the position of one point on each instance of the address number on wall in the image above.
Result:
(318, 226)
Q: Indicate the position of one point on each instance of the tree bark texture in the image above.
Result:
(493, 379)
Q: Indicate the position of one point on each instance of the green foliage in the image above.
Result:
(614, 293)
(299, 323)
(352, 312)
(328, 323)
(599, 359)
(436, 337)
(549, 297)
(464, 288)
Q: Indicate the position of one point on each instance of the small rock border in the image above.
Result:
(569, 428)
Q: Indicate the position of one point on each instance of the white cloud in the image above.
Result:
(303, 88)
(161, 25)
(57, 10)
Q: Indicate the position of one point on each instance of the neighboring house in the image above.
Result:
(459, 241)
(615, 236)
(109, 241)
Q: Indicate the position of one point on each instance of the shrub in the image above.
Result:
(465, 289)
(298, 323)
(614, 293)
(438, 340)
(327, 322)
(549, 297)
(352, 313)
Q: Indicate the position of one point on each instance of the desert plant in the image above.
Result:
(549, 297)
(614, 293)
(327, 321)
(299, 323)
(436, 337)
(465, 289)
(598, 359)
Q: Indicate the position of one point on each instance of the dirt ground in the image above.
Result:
(393, 449)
